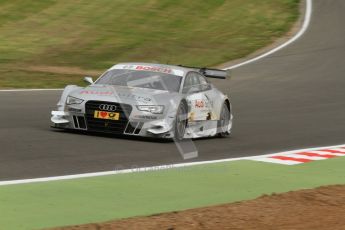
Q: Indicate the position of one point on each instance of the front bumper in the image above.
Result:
(161, 128)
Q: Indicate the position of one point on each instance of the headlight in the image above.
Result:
(73, 100)
(156, 109)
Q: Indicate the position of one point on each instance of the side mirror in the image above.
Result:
(88, 80)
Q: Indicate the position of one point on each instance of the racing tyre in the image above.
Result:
(224, 121)
(181, 121)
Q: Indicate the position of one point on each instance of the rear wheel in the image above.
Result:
(224, 121)
(181, 121)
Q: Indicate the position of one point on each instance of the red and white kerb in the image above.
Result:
(302, 156)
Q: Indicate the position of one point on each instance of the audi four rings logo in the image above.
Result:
(107, 107)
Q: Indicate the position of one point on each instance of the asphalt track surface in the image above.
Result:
(294, 98)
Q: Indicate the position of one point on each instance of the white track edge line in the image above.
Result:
(305, 26)
(306, 22)
(154, 168)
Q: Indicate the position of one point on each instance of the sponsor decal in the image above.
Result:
(107, 107)
(100, 93)
(199, 104)
(109, 93)
(106, 115)
(191, 116)
(166, 70)
(154, 69)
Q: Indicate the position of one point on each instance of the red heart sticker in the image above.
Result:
(104, 114)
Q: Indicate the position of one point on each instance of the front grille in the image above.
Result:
(111, 126)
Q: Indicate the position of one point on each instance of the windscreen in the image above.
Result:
(141, 79)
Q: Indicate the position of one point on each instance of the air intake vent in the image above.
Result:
(134, 128)
(79, 122)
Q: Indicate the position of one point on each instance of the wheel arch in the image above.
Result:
(227, 102)
(184, 101)
(219, 106)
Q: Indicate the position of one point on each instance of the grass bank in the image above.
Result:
(36, 35)
(70, 202)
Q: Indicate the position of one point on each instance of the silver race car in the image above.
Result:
(150, 100)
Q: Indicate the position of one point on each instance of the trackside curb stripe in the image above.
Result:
(327, 153)
(305, 156)
(303, 160)
(316, 155)
(334, 151)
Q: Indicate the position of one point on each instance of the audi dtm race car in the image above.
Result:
(150, 100)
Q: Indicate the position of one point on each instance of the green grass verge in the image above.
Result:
(39, 205)
(10, 79)
(97, 34)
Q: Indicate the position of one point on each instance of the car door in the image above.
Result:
(199, 105)
(211, 96)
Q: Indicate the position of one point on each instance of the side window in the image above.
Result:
(204, 85)
(202, 80)
(188, 82)
(192, 81)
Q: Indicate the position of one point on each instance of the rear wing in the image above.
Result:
(211, 73)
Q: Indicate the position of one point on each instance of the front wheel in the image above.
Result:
(225, 121)
(181, 121)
